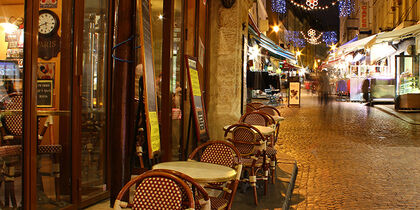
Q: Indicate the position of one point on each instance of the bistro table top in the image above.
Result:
(39, 112)
(277, 118)
(200, 171)
(265, 130)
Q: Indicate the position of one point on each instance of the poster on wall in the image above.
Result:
(44, 93)
(294, 93)
(196, 99)
(152, 120)
(46, 70)
(48, 4)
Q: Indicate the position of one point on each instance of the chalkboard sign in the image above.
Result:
(196, 99)
(152, 123)
(44, 93)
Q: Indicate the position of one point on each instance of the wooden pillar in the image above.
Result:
(29, 105)
(122, 98)
(166, 113)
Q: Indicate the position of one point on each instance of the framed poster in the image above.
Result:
(197, 102)
(152, 120)
(44, 94)
(46, 70)
(294, 94)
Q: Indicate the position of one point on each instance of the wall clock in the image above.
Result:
(48, 23)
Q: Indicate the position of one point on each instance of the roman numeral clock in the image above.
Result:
(48, 41)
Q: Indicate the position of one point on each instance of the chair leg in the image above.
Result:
(273, 164)
(56, 173)
(253, 181)
(12, 194)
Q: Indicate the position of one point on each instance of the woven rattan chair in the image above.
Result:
(221, 153)
(157, 190)
(201, 197)
(251, 145)
(264, 119)
(272, 111)
(11, 126)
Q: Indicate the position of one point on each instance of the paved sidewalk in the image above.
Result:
(410, 117)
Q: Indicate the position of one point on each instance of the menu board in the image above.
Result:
(294, 93)
(196, 99)
(44, 93)
(152, 123)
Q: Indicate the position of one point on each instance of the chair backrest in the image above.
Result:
(14, 122)
(217, 152)
(201, 193)
(156, 190)
(257, 118)
(246, 138)
(255, 105)
(270, 110)
(249, 108)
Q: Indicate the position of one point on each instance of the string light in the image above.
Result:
(329, 37)
(293, 38)
(278, 6)
(313, 5)
(312, 39)
(346, 7)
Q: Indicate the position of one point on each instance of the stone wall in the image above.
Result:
(225, 56)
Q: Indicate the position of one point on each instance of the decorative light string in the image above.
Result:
(312, 39)
(313, 5)
(278, 6)
(329, 37)
(293, 38)
(346, 7)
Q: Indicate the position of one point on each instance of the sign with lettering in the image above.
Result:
(44, 93)
(196, 99)
(48, 47)
(152, 119)
(364, 16)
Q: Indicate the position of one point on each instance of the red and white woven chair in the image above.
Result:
(11, 127)
(220, 153)
(157, 190)
(263, 119)
(251, 145)
(272, 111)
(201, 197)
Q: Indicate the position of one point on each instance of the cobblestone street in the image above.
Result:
(351, 156)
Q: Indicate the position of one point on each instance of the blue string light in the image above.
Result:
(278, 6)
(329, 37)
(346, 7)
(293, 38)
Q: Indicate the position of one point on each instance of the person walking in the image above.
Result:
(324, 87)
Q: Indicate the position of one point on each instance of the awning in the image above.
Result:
(357, 45)
(399, 34)
(273, 49)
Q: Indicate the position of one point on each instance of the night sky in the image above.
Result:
(321, 20)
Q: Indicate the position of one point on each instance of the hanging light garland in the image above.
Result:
(329, 37)
(346, 7)
(278, 6)
(312, 39)
(293, 38)
(313, 5)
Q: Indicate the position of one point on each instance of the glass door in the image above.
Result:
(94, 100)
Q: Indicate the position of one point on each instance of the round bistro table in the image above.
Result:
(265, 130)
(201, 172)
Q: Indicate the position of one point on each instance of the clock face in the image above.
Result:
(48, 22)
